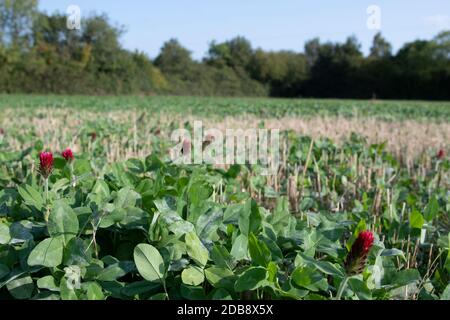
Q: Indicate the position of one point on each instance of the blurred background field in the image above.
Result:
(409, 128)
(434, 111)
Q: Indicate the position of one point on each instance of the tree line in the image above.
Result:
(39, 54)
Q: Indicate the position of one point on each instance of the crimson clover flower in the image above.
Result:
(45, 164)
(441, 154)
(68, 155)
(357, 257)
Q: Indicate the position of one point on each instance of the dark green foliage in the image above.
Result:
(122, 234)
(38, 54)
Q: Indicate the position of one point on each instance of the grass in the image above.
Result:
(260, 107)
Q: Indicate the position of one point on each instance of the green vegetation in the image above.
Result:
(39, 54)
(123, 221)
(220, 107)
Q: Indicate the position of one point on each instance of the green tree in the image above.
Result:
(381, 48)
(235, 53)
(174, 58)
(284, 71)
(336, 70)
(16, 21)
(312, 50)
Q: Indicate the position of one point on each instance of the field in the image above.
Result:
(121, 220)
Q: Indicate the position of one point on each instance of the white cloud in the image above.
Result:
(438, 21)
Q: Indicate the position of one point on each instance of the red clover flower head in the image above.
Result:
(68, 155)
(45, 164)
(357, 257)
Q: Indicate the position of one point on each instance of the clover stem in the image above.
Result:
(72, 176)
(47, 213)
(342, 288)
(46, 190)
(165, 290)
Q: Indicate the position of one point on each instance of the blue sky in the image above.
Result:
(269, 24)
